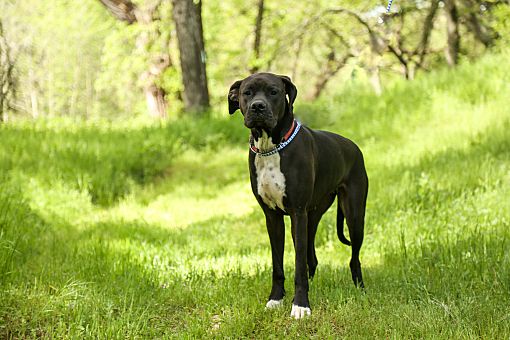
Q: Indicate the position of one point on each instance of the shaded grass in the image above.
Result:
(180, 250)
(103, 159)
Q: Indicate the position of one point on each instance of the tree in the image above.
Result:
(188, 24)
(474, 22)
(452, 32)
(258, 36)
(410, 43)
(372, 41)
(6, 75)
(127, 11)
(333, 63)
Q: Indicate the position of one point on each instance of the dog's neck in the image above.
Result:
(274, 135)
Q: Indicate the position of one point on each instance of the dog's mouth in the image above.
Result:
(260, 120)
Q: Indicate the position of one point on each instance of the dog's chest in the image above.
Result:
(270, 179)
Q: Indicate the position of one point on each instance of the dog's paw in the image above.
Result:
(298, 312)
(274, 304)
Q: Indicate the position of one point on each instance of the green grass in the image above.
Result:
(125, 231)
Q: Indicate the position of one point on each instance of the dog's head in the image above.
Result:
(262, 99)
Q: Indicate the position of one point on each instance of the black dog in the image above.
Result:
(297, 171)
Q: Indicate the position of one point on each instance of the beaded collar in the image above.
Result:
(289, 136)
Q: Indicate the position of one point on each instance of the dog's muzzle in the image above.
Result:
(259, 115)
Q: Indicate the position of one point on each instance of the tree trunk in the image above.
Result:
(481, 32)
(297, 56)
(452, 29)
(375, 80)
(428, 25)
(258, 35)
(34, 101)
(6, 77)
(187, 18)
(155, 95)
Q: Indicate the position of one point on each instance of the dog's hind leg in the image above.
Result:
(313, 222)
(354, 202)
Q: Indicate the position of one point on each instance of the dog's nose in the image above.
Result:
(258, 105)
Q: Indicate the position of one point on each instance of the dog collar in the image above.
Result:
(289, 136)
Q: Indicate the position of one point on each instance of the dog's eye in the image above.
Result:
(247, 93)
(274, 92)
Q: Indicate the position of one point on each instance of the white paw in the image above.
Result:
(299, 312)
(274, 304)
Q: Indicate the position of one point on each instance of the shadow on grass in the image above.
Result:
(200, 174)
(107, 161)
(482, 166)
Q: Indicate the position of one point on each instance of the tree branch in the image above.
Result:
(123, 10)
(428, 25)
(338, 35)
(377, 43)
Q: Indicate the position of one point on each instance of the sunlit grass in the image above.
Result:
(151, 231)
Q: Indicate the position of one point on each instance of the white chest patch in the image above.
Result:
(270, 179)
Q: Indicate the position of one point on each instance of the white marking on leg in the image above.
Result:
(270, 179)
(298, 312)
(271, 304)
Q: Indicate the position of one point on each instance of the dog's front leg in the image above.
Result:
(301, 305)
(276, 230)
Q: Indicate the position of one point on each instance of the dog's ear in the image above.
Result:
(233, 97)
(291, 91)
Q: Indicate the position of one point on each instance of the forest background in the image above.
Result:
(160, 58)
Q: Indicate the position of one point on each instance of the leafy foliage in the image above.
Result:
(75, 59)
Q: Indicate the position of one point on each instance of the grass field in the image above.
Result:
(119, 231)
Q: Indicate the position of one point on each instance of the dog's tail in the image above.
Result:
(340, 224)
